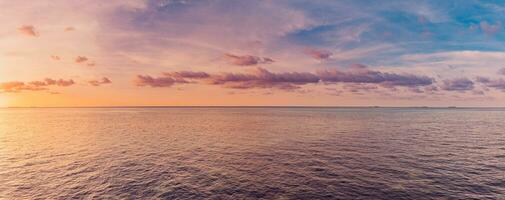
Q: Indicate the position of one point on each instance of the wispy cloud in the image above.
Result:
(416, 49)
(247, 60)
(100, 82)
(498, 84)
(501, 71)
(81, 59)
(358, 87)
(28, 30)
(18, 86)
(490, 29)
(55, 57)
(49, 82)
(318, 53)
(69, 29)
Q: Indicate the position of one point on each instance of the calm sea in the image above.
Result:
(252, 153)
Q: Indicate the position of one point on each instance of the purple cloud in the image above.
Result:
(498, 84)
(100, 82)
(458, 84)
(484, 80)
(262, 78)
(247, 60)
(361, 74)
(358, 77)
(170, 78)
(257, 78)
(187, 74)
(147, 80)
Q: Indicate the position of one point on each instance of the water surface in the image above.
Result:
(252, 153)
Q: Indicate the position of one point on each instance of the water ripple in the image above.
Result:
(245, 153)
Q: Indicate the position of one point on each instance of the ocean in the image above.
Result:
(252, 153)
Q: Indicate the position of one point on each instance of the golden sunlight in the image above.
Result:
(3, 101)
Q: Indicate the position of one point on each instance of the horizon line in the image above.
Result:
(253, 106)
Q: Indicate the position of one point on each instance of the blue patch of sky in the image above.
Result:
(410, 31)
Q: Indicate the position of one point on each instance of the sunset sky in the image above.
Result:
(254, 52)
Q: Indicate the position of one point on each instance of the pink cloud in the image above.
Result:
(17, 86)
(478, 92)
(54, 57)
(59, 82)
(38, 83)
(501, 71)
(80, 59)
(28, 30)
(100, 82)
(490, 29)
(318, 53)
(247, 60)
(70, 28)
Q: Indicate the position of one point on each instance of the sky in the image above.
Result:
(252, 53)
